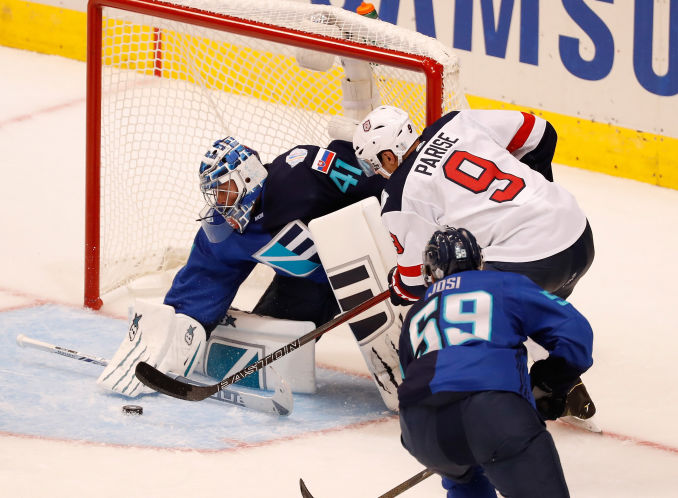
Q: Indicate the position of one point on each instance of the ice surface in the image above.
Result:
(60, 436)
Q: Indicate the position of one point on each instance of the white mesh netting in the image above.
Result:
(170, 88)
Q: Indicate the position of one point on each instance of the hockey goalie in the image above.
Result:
(255, 214)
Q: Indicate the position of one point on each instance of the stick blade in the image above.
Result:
(304, 490)
(158, 381)
(283, 402)
(404, 486)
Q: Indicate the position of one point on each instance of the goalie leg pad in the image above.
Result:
(357, 271)
(381, 357)
(187, 344)
(244, 338)
(147, 339)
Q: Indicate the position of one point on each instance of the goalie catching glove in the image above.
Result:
(156, 335)
(552, 379)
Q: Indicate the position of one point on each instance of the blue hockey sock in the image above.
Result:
(478, 487)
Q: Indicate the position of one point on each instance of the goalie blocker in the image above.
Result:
(357, 271)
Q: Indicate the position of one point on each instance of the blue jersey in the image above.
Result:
(302, 184)
(467, 335)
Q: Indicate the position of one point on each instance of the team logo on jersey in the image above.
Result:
(323, 160)
(292, 251)
(296, 156)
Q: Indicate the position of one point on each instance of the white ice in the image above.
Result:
(627, 295)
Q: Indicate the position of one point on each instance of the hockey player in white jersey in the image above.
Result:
(490, 172)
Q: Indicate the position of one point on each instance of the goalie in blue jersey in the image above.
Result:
(259, 214)
(467, 403)
(254, 213)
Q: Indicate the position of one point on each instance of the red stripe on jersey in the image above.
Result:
(522, 134)
(410, 271)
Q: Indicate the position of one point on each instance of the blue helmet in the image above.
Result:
(233, 169)
(450, 251)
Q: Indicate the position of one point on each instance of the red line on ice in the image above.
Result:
(622, 437)
(45, 110)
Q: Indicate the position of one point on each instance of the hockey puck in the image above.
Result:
(132, 410)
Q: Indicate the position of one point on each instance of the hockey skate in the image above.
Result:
(579, 408)
(579, 403)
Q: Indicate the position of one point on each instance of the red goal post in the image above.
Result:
(164, 80)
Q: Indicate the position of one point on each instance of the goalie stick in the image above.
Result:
(165, 384)
(281, 403)
(403, 486)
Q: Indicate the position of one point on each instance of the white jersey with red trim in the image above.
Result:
(467, 173)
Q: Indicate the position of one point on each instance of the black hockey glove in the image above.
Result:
(396, 300)
(551, 380)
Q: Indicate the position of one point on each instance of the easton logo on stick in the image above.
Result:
(259, 364)
(158, 381)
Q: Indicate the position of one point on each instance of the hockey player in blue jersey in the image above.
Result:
(254, 213)
(467, 409)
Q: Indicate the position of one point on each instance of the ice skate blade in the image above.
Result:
(587, 424)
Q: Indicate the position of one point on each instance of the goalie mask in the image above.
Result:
(450, 251)
(231, 180)
(385, 128)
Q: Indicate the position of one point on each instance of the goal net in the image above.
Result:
(166, 79)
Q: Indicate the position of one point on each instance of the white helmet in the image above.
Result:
(385, 128)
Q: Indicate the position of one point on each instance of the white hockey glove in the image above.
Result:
(159, 337)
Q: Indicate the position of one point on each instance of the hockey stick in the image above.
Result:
(403, 486)
(280, 403)
(160, 382)
(24, 341)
